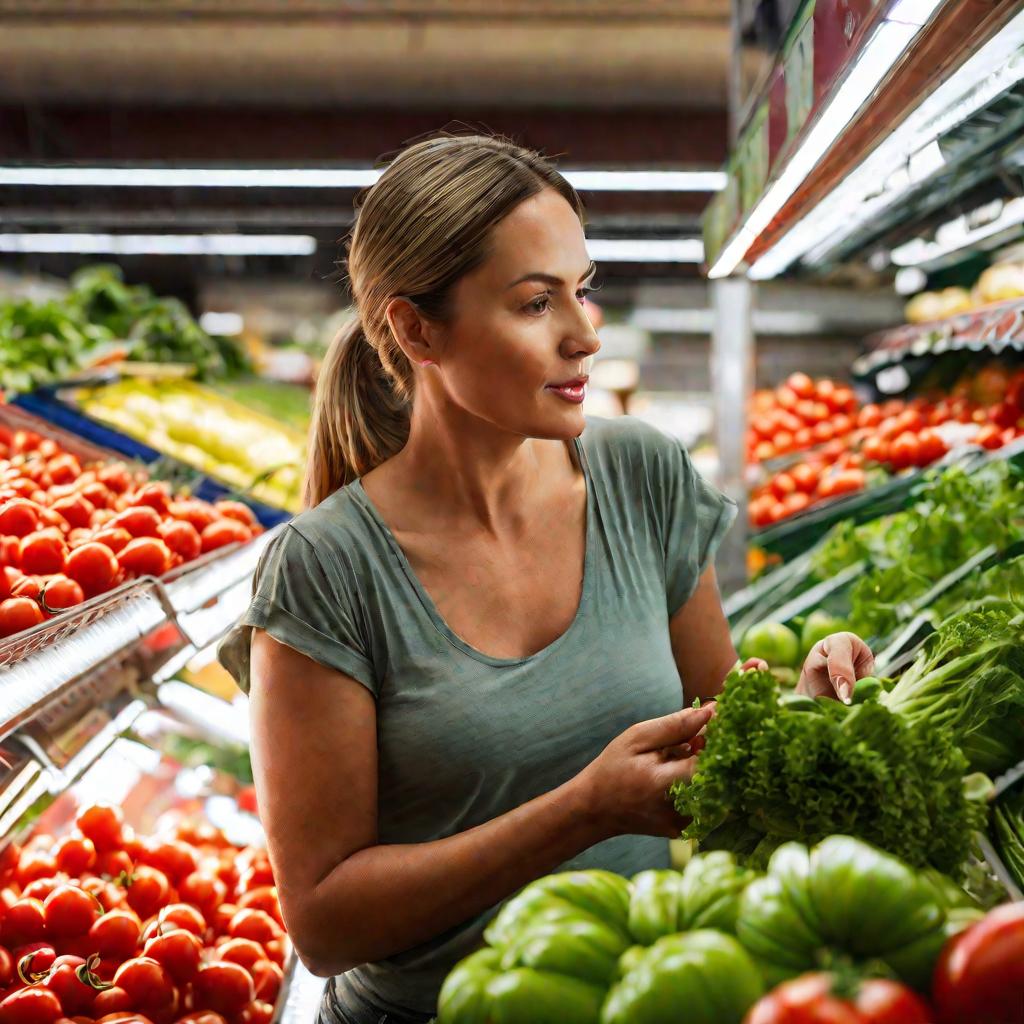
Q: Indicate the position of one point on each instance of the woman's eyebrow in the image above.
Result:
(551, 279)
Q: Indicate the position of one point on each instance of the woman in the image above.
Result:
(464, 660)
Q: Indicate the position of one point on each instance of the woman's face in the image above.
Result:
(519, 324)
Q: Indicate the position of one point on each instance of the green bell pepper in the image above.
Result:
(700, 977)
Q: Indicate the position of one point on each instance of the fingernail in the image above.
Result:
(845, 691)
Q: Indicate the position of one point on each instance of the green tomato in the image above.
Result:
(772, 642)
(702, 977)
(868, 688)
(818, 625)
(584, 949)
(844, 896)
(478, 992)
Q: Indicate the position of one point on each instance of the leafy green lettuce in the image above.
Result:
(772, 773)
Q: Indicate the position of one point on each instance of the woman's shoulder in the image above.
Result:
(626, 440)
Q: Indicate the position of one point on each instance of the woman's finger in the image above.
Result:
(757, 663)
(672, 730)
(839, 654)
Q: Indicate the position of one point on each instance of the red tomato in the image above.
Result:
(224, 532)
(206, 892)
(30, 1006)
(803, 438)
(223, 987)
(243, 952)
(846, 481)
(222, 917)
(10, 552)
(198, 513)
(809, 1000)
(989, 436)
(905, 451)
(64, 468)
(265, 898)
(801, 385)
(59, 592)
(787, 398)
(99, 495)
(156, 496)
(764, 451)
(116, 934)
(203, 1017)
(111, 1001)
(842, 425)
(24, 922)
(257, 925)
(277, 950)
(103, 824)
(782, 485)
(182, 538)
(124, 1017)
(797, 502)
(181, 915)
(75, 995)
(875, 449)
(17, 614)
(6, 968)
(783, 443)
(979, 978)
(179, 951)
(807, 411)
(823, 432)
(236, 510)
(42, 887)
(173, 857)
(845, 401)
(113, 863)
(145, 556)
(69, 911)
(43, 552)
(139, 521)
(76, 509)
(19, 517)
(28, 586)
(267, 979)
(146, 981)
(116, 477)
(93, 567)
(148, 890)
(75, 854)
(113, 537)
(932, 446)
(257, 1012)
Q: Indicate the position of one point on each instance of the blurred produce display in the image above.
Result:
(103, 319)
(72, 530)
(985, 407)
(998, 283)
(253, 453)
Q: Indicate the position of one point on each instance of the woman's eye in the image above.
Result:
(539, 305)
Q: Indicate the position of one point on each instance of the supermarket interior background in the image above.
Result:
(808, 219)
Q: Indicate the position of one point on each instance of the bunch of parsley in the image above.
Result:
(770, 774)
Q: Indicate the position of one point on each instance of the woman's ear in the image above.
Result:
(416, 334)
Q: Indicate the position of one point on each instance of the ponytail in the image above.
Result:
(360, 415)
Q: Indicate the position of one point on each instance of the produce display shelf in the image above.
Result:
(992, 328)
(151, 623)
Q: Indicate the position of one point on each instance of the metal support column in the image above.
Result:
(732, 381)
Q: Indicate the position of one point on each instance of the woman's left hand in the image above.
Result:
(834, 666)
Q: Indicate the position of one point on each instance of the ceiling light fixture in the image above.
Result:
(646, 250)
(161, 245)
(956, 235)
(311, 177)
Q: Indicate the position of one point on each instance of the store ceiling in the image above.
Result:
(408, 53)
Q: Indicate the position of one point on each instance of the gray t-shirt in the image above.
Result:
(464, 737)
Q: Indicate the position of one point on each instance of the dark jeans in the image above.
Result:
(333, 1011)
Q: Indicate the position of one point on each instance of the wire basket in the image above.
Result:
(60, 627)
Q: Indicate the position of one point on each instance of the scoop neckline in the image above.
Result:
(428, 602)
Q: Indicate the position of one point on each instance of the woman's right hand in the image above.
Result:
(626, 785)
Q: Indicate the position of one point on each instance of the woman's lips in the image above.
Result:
(569, 392)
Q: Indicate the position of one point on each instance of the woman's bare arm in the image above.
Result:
(701, 642)
(348, 900)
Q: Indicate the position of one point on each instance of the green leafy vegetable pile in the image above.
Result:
(797, 770)
(45, 341)
(955, 515)
(969, 678)
(1008, 831)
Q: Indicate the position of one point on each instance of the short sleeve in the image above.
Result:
(695, 518)
(306, 605)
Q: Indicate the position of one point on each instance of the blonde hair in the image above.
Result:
(423, 226)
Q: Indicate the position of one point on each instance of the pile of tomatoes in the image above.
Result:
(103, 925)
(800, 414)
(69, 532)
(892, 436)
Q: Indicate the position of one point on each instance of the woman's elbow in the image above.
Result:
(324, 952)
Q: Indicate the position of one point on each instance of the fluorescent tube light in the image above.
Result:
(162, 245)
(956, 235)
(224, 324)
(904, 159)
(646, 250)
(309, 177)
(885, 47)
